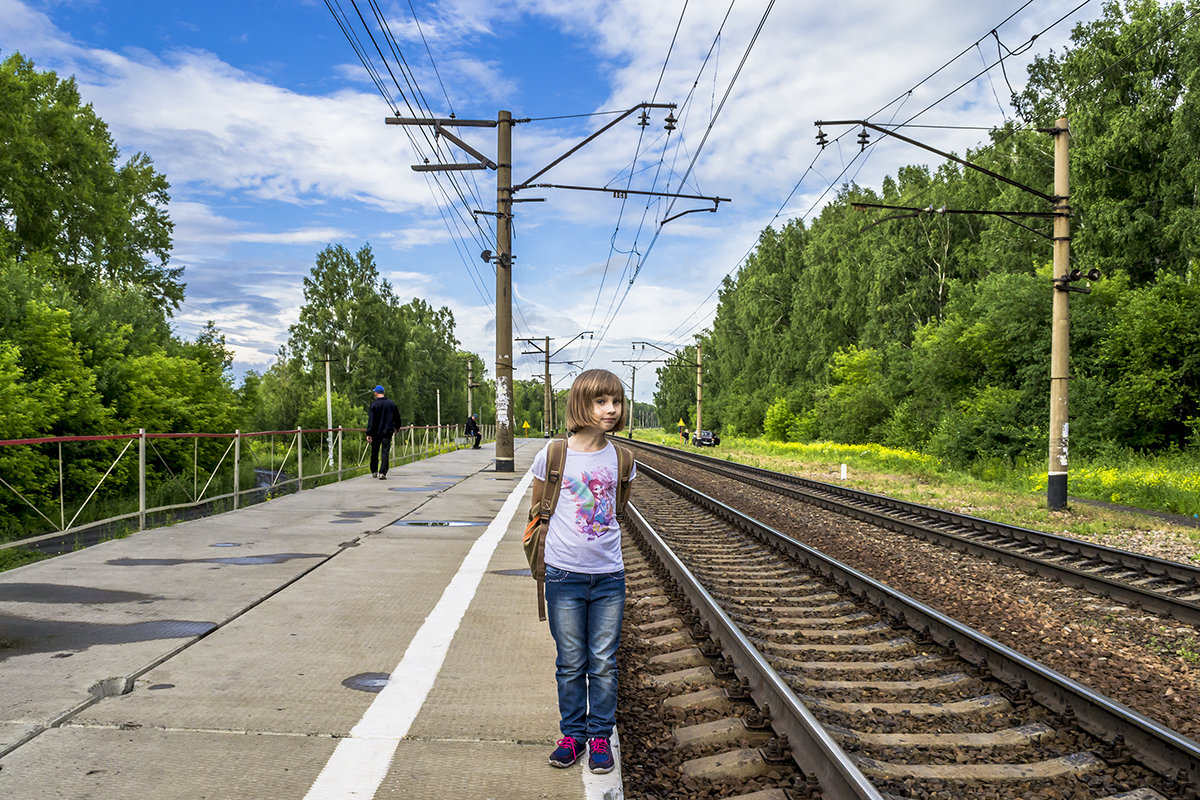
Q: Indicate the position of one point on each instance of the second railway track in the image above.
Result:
(1168, 588)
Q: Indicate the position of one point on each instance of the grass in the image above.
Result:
(1170, 483)
(13, 557)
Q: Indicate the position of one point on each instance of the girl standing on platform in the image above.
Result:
(585, 574)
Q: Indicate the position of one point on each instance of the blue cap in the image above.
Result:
(379, 389)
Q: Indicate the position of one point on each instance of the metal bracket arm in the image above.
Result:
(524, 184)
(1048, 198)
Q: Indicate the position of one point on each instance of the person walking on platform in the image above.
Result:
(383, 419)
(473, 430)
(585, 574)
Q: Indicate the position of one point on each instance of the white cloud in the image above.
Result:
(263, 175)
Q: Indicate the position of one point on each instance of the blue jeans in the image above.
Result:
(585, 614)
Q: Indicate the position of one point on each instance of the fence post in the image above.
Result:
(299, 459)
(62, 493)
(237, 466)
(141, 479)
(341, 435)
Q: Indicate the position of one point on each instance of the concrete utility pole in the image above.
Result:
(1064, 277)
(633, 385)
(1060, 342)
(328, 408)
(504, 342)
(548, 393)
(503, 259)
(471, 384)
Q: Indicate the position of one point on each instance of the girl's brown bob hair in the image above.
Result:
(586, 388)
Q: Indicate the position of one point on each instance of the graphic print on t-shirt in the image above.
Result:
(595, 501)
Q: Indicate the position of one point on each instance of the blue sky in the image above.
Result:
(272, 137)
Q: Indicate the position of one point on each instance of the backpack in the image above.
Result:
(542, 509)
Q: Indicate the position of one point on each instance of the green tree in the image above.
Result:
(1129, 84)
(63, 193)
(1151, 357)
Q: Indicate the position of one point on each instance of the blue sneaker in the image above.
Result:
(567, 753)
(600, 758)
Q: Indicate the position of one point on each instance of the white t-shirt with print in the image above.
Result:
(584, 535)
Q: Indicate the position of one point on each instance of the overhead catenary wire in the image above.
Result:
(619, 299)
(621, 210)
(684, 111)
(461, 217)
(712, 121)
(432, 63)
(908, 122)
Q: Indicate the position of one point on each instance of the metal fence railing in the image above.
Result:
(54, 485)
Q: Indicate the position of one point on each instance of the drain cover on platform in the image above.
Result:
(367, 681)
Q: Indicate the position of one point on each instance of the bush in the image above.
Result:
(993, 425)
(779, 421)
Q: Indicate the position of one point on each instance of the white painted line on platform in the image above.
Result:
(361, 761)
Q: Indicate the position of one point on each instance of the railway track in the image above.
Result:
(1168, 588)
(872, 694)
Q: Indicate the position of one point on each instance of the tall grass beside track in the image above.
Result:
(1015, 495)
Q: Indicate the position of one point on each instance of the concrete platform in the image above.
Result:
(314, 646)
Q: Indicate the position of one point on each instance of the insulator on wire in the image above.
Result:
(864, 139)
(670, 126)
(822, 139)
(644, 119)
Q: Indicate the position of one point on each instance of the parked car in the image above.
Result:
(706, 439)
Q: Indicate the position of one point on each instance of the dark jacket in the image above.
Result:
(383, 418)
(472, 426)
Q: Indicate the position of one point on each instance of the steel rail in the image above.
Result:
(810, 744)
(1158, 747)
(925, 521)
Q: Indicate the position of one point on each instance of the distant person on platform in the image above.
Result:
(383, 419)
(473, 430)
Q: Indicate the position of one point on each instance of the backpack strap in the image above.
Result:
(556, 459)
(624, 470)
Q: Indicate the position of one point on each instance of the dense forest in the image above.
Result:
(931, 331)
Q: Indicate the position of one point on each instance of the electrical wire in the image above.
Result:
(708, 130)
(907, 123)
(457, 224)
(612, 249)
(432, 63)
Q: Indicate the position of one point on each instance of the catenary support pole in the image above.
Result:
(504, 343)
(632, 401)
(547, 391)
(699, 386)
(1056, 482)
